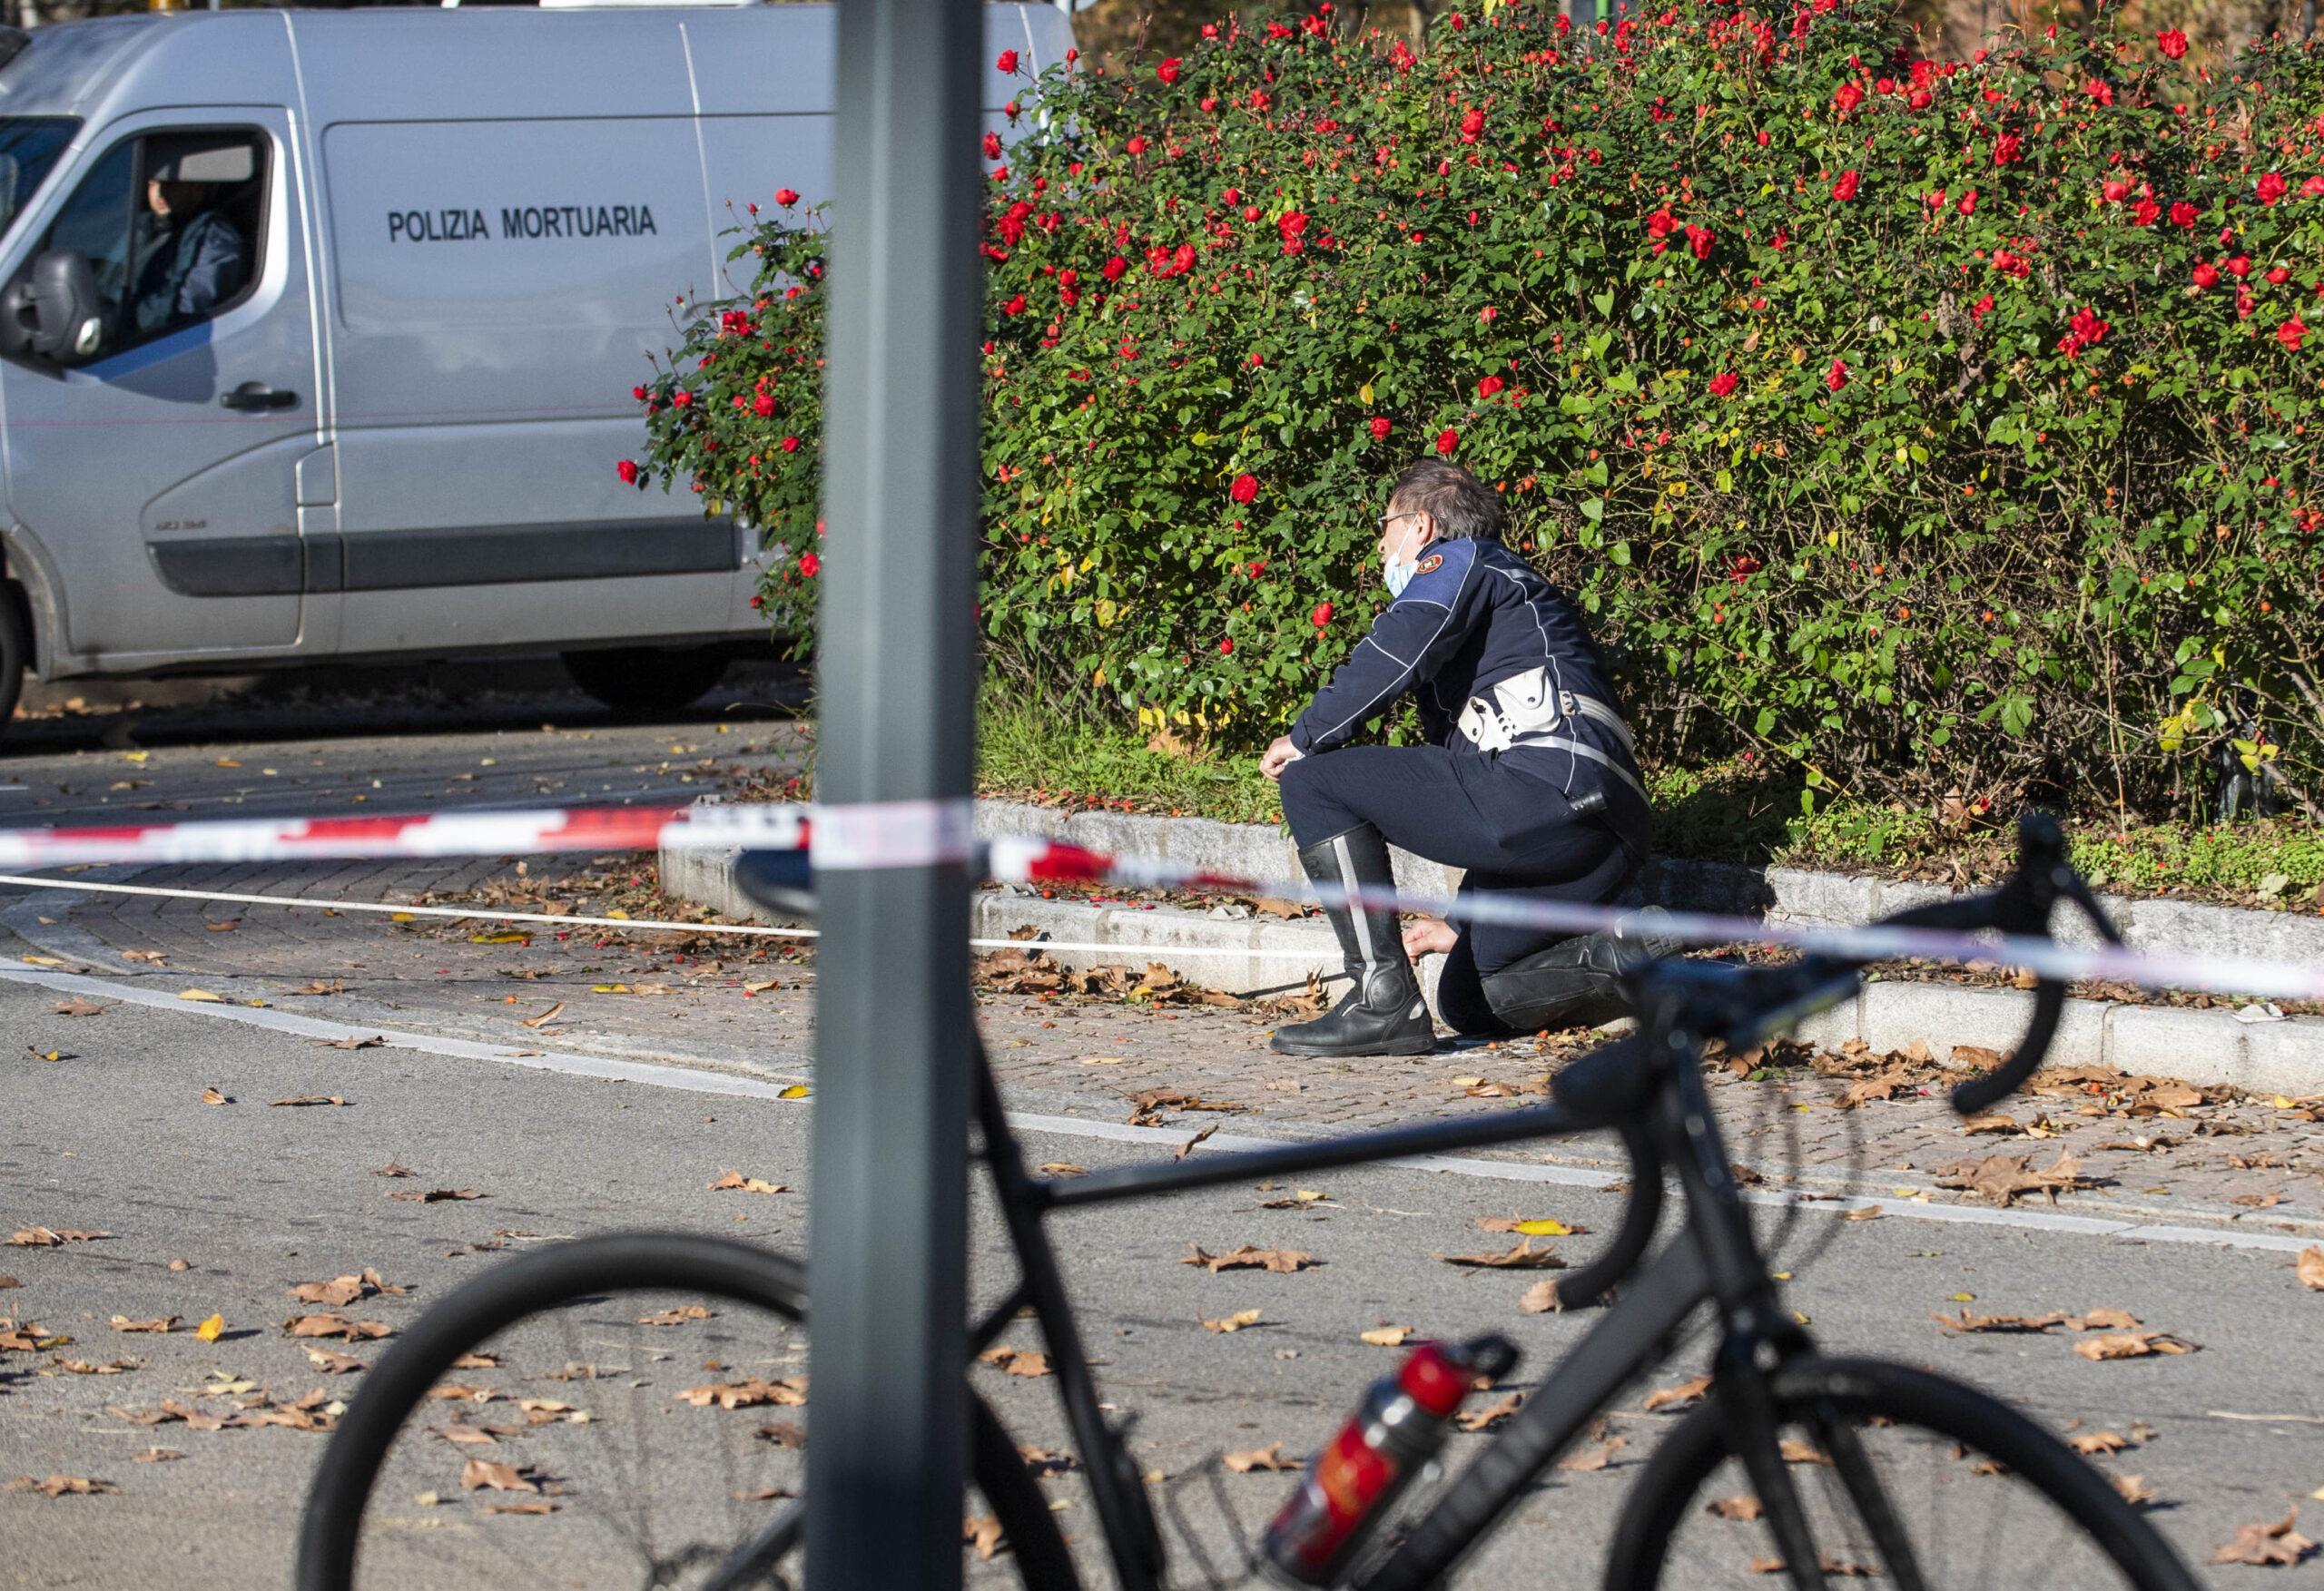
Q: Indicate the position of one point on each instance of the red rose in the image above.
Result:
(1447, 439)
(1699, 239)
(993, 146)
(2145, 212)
(1380, 428)
(1246, 487)
(2206, 275)
(1849, 97)
(1257, 567)
(1169, 70)
(1225, 645)
(1845, 189)
(810, 566)
(2182, 214)
(1968, 205)
(627, 470)
(1232, 196)
(1014, 306)
(2239, 266)
(1661, 223)
(2290, 332)
(763, 405)
(1114, 267)
(1921, 99)
(786, 197)
(1292, 223)
(2172, 42)
(2115, 190)
(2008, 147)
(1981, 309)
(2087, 327)
(639, 393)
(1137, 146)
(2278, 276)
(1723, 383)
(2313, 187)
(1472, 125)
(2100, 89)
(1489, 386)
(1837, 376)
(1321, 616)
(2270, 187)
(791, 444)
(682, 398)
(1007, 63)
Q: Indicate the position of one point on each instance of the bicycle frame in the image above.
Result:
(1715, 1259)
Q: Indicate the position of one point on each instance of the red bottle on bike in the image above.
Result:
(1352, 1483)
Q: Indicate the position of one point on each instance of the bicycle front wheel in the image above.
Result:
(1906, 1478)
(622, 1411)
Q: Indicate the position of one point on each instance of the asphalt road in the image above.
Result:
(598, 1124)
(115, 1137)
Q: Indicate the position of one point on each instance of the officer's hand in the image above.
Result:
(1429, 936)
(1279, 755)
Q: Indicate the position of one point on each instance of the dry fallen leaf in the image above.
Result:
(1742, 1509)
(44, 1237)
(734, 1181)
(156, 1455)
(1541, 1298)
(1678, 1397)
(2092, 1443)
(1837, 1568)
(1387, 1336)
(334, 1325)
(1269, 1458)
(1234, 1322)
(1282, 1261)
(2131, 1345)
(1966, 1322)
(211, 1330)
(1492, 1414)
(984, 1533)
(305, 1099)
(333, 1364)
(678, 1316)
(78, 1008)
(538, 1506)
(433, 1195)
(2134, 1488)
(2312, 1268)
(481, 1474)
(58, 1485)
(1594, 1458)
(1016, 1361)
(546, 1017)
(2277, 1546)
(1524, 1256)
(161, 1325)
(201, 997)
(749, 1392)
(372, 1041)
(1063, 1168)
(212, 1096)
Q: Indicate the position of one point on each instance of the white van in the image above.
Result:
(319, 328)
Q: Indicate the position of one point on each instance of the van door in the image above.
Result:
(159, 479)
(498, 290)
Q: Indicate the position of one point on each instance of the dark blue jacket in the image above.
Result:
(1476, 613)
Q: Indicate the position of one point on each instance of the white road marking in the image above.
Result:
(697, 1081)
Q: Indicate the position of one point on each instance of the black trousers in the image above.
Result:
(1504, 817)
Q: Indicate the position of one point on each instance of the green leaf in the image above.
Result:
(1593, 509)
(1602, 302)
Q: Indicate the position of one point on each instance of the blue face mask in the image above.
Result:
(1399, 574)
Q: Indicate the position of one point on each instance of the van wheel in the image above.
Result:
(643, 679)
(15, 650)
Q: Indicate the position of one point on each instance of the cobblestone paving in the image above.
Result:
(688, 999)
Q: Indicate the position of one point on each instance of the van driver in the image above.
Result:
(193, 260)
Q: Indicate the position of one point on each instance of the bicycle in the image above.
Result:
(1820, 1446)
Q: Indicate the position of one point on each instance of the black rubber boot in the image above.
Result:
(1576, 983)
(1383, 1014)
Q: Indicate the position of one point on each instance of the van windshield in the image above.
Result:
(29, 146)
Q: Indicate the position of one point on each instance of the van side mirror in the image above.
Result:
(52, 311)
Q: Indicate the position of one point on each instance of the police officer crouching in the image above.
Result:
(1518, 709)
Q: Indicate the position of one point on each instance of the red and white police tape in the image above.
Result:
(917, 833)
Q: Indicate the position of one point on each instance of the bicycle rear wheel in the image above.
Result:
(624, 1411)
(1976, 1495)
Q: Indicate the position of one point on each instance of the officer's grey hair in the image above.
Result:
(1463, 506)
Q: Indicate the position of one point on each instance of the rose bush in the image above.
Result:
(1934, 426)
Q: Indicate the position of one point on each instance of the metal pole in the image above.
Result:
(895, 724)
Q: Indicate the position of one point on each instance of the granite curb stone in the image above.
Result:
(1250, 956)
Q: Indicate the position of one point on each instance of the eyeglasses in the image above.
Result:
(1388, 520)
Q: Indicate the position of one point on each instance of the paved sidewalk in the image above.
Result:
(745, 1004)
